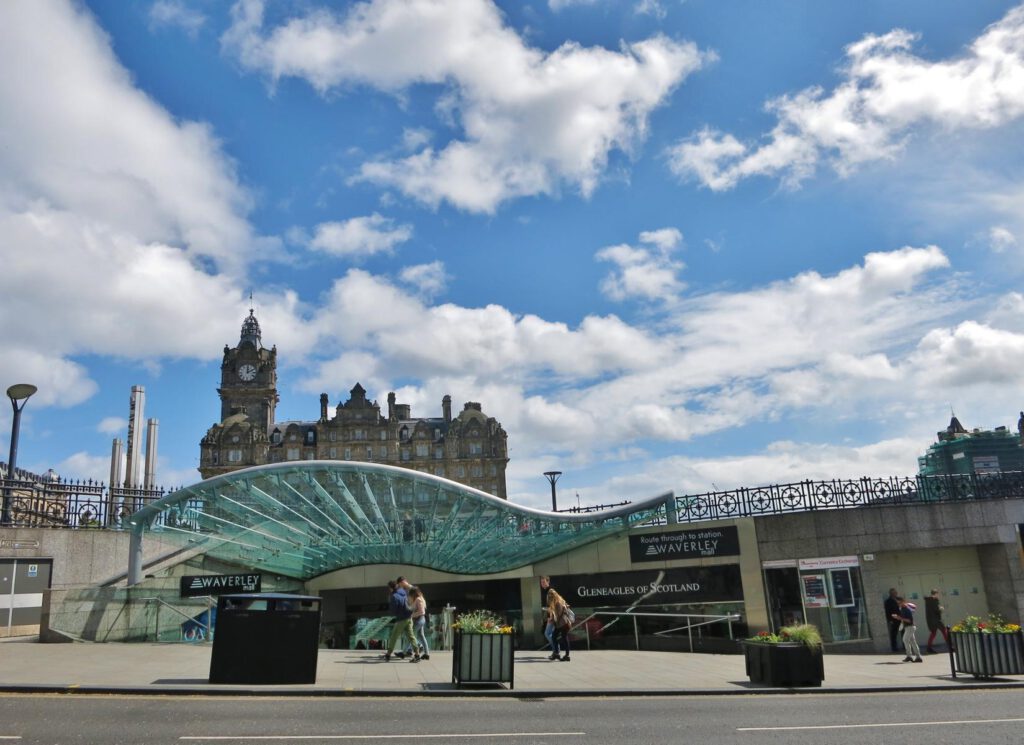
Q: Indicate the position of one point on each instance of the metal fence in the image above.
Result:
(807, 496)
(91, 504)
(59, 503)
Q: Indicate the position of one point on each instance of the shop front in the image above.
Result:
(826, 592)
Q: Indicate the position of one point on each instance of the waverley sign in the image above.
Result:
(685, 544)
(215, 584)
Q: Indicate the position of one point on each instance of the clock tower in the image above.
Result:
(248, 378)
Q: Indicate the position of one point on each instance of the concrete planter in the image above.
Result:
(483, 658)
(785, 664)
(986, 655)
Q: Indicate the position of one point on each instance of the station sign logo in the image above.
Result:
(218, 584)
(685, 544)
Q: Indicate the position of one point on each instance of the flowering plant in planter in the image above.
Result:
(994, 625)
(803, 633)
(481, 622)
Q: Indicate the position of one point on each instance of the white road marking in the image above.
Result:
(881, 724)
(383, 737)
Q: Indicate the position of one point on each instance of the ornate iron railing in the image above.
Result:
(806, 496)
(91, 504)
(59, 503)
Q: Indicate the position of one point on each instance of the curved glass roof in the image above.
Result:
(303, 519)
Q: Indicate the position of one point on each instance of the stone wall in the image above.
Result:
(989, 526)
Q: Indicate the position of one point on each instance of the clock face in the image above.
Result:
(247, 372)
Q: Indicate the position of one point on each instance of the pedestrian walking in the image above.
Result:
(557, 609)
(933, 617)
(909, 631)
(419, 622)
(546, 619)
(399, 606)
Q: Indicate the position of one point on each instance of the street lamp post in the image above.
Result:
(552, 476)
(19, 392)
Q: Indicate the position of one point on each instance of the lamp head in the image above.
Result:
(20, 391)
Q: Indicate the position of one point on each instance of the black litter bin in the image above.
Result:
(266, 638)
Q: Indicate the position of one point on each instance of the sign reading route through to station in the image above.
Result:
(685, 544)
(218, 584)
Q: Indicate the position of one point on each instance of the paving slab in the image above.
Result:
(184, 669)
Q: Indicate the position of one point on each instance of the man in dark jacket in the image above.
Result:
(892, 617)
(399, 607)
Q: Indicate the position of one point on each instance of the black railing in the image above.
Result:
(806, 496)
(59, 503)
(91, 504)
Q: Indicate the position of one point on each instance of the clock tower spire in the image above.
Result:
(248, 399)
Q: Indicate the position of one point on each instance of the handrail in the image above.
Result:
(208, 625)
(689, 627)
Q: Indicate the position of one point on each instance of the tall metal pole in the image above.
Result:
(552, 476)
(20, 392)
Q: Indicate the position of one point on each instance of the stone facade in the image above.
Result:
(470, 448)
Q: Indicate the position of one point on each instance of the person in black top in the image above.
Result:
(892, 617)
(549, 622)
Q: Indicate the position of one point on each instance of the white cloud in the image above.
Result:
(175, 14)
(781, 462)
(126, 224)
(112, 425)
(360, 236)
(886, 95)
(531, 120)
(429, 280)
(1001, 239)
(645, 273)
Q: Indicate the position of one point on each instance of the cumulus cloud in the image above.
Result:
(175, 14)
(886, 95)
(429, 280)
(111, 425)
(126, 224)
(1001, 239)
(647, 272)
(359, 236)
(530, 120)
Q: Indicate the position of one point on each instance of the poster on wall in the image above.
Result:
(815, 595)
(842, 588)
(652, 587)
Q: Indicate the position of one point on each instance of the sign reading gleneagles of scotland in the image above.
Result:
(685, 544)
(652, 586)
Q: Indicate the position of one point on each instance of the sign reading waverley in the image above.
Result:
(217, 584)
(652, 586)
(685, 544)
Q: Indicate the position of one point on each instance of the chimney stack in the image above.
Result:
(133, 471)
(151, 428)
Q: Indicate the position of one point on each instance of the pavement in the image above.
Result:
(183, 669)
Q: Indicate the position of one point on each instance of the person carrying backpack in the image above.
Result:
(564, 617)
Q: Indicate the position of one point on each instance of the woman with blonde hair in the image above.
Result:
(557, 608)
(418, 604)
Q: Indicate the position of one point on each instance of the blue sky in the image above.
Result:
(669, 245)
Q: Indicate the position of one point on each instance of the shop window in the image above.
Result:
(825, 592)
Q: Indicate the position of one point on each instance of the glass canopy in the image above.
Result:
(304, 519)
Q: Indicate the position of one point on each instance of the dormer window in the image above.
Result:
(403, 434)
(275, 437)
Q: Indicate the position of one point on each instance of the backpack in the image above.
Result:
(569, 617)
